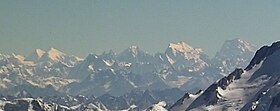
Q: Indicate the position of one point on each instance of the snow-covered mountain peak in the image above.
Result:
(183, 51)
(54, 54)
(134, 54)
(39, 52)
(239, 45)
(180, 47)
(234, 53)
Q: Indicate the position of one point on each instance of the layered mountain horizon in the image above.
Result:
(40, 51)
(133, 78)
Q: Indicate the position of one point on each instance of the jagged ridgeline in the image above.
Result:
(131, 79)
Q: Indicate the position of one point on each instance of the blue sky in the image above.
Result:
(80, 27)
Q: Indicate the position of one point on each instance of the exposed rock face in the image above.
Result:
(262, 53)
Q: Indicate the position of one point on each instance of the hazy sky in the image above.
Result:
(80, 27)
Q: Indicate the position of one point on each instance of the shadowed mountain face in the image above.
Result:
(233, 54)
(112, 75)
(254, 88)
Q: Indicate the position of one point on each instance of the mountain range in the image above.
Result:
(134, 79)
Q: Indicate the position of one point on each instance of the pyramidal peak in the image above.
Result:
(234, 53)
(53, 54)
(182, 47)
(39, 52)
